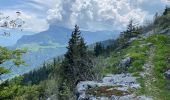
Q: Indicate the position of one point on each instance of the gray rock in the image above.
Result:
(147, 44)
(125, 62)
(114, 98)
(82, 87)
(98, 98)
(132, 39)
(130, 97)
(144, 98)
(53, 97)
(103, 98)
(145, 35)
(167, 74)
(119, 78)
(127, 97)
(164, 31)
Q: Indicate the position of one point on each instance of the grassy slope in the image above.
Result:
(150, 60)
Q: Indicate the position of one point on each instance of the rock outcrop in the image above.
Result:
(125, 62)
(112, 87)
(147, 44)
(164, 31)
(132, 39)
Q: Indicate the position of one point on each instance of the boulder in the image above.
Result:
(82, 87)
(125, 62)
(167, 74)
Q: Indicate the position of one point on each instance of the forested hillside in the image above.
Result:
(135, 66)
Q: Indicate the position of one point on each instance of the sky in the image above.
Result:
(91, 15)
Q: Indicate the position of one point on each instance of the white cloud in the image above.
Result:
(166, 2)
(33, 5)
(89, 14)
(56, 12)
(46, 3)
(106, 14)
(35, 24)
(99, 14)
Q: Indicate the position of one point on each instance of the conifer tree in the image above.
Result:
(76, 64)
(98, 49)
(54, 61)
(132, 30)
(166, 11)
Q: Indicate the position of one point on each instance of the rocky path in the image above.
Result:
(149, 76)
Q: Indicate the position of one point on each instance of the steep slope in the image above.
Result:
(148, 63)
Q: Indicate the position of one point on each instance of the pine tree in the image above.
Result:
(69, 63)
(44, 64)
(54, 62)
(84, 62)
(132, 30)
(76, 64)
(156, 16)
(64, 91)
(166, 11)
(98, 49)
(82, 47)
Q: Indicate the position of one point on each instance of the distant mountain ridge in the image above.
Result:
(61, 35)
